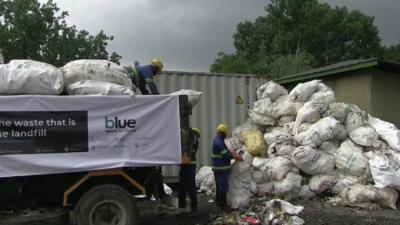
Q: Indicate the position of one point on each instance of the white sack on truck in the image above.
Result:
(193, 96)
(30, 77)
(95, 69)
(96, 87)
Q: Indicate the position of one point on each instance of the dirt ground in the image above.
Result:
(316, 212)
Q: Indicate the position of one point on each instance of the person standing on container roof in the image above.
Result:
(221, 164)
(187, 174)
(142, 76)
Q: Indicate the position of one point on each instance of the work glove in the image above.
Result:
(236, 156)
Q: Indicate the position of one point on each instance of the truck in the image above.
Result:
(82, 159)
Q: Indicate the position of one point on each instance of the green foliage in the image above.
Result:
(30, 30)
(302, 34)
(290, 64)
(391, 53)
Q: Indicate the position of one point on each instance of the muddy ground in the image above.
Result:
(316, 212)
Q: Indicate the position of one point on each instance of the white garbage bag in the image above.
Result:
(310, 112)
(387, 131)
(326, 97)
(284, 150)
(312, 161)
(338, 110)
(325, 129)
(95, 87)
(363, 195)
(354, 120)
(285, 119)
(265, 188)
(344, 181)
(95, 69)
(205, 179)
(259, 162)
(278, 167)
(260, 119)
(330, 147)
(271, 90)
(320, 183)
(260, 177)
(284, 106)
(239, 192)
(364, 136)
(289, 186)
(310, 137)
(193, 96)
(284, 206)
(302, 91)
(246, 126)
(279, 136)
(233, 143)
(385, 172)
(264, 107)
(30, 77)
(349, 159)
(306, 193)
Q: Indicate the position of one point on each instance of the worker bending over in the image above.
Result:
(142, 76)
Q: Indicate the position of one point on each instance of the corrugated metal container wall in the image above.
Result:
(219, 103)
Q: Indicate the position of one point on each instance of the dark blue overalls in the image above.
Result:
(221, 165)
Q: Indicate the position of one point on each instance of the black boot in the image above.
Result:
(223, 205)
(193, 203)
(218, 198)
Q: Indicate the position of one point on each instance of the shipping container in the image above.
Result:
(225, 99)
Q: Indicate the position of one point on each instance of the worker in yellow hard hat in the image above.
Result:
(142, 76)
(221, 164)
(187, 174)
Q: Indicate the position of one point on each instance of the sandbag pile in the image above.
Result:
(312, 146)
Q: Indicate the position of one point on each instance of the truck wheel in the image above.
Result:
(107, 204)
(45, 216)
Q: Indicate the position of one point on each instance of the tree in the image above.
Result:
(290, 64)
(293, 29)
(391, 53)
(31, 30)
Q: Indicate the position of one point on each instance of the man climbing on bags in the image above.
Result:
(187, 174)
(142, 76)
(221, 164)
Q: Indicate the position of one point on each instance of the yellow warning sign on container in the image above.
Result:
(239, 100)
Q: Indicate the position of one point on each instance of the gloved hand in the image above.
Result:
(236, 156)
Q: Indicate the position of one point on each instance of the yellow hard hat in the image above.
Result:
(157, 63)
(223, 128)
(196, 130)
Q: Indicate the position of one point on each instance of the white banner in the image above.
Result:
(59, 134)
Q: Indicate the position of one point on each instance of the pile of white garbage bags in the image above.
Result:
(312, 146)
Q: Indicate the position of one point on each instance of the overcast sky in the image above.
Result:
(188, 34)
